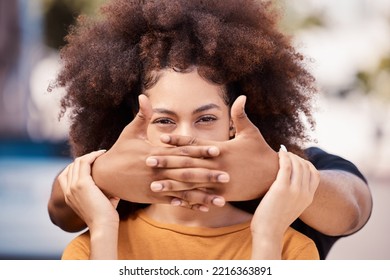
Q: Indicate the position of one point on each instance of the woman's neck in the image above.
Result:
(216, 216)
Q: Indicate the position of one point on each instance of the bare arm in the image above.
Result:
(290, 194)
(342, 204)
(92, 206)
(60, 213)
(123, 171)
(128, 160)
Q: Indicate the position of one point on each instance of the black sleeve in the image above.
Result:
(325, 161)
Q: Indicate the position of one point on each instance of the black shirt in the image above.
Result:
(322, 161)
(325, 161)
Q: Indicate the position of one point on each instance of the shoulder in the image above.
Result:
(78, 248)
(323, 160)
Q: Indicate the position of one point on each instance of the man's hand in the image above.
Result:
(250, 162)
(124, 170)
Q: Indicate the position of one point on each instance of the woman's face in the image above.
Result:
(187, 104)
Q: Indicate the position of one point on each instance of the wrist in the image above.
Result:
(103, 230)
(104, 243)
(266, 246)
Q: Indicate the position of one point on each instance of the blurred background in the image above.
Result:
(348, 48)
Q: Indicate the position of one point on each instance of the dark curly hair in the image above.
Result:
(108, 60)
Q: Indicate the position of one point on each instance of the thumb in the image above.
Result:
(239, 117)
(139, 124)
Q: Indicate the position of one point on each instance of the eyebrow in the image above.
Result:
(196, 111)
(206, 107)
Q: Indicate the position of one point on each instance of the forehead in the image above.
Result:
(187, 87)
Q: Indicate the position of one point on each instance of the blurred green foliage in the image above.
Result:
(376, 81)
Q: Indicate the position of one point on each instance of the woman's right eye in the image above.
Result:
(163, 121)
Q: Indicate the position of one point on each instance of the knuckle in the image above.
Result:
(192, 141)
(167, 185)
(287, 167)
(207, 199)
(83, 160)
(187, 175)
(211, 177)
(184, 151)
(187, 162)
(162, 162)
(185, 195)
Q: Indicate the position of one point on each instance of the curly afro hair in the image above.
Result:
(108, 61)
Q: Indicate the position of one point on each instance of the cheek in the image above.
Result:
(220, 133)
(153, 135)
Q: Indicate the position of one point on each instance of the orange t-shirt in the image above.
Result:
(142, 238)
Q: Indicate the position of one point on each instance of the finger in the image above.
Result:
(69, 178)
(63, 179)
(195, 175)
(74, 173)
(189, 151)
(172, 186)
(240, 118)
(297, 171)
(314, 177)
(197, 197)
(285, 169)
(139, 124)
(195, 207)
(306, 174)
(178, 202)
(178, 162)
(180, 140)
(176, 186)
(85, 162)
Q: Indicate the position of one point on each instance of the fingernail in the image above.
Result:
(175, 202)
(203, 208)
(156, 186)
(218, 201)
(283, 148)
(213, 151)
(151, 162)
(165, 138)
(223, 178)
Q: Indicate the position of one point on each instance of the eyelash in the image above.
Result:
(167, 121)
(163, 121)
(208, 118)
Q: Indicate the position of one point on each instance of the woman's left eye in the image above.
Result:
(207, 118)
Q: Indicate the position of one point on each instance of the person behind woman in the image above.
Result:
(192, 59)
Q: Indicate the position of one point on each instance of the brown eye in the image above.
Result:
(164, 121)
(207, 119)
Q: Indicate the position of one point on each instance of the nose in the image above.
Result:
(185, 130)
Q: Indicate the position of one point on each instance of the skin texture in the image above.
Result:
(188, 105)
(110, 61)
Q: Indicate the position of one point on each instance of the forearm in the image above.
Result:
(60, 213)
(342, 204)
